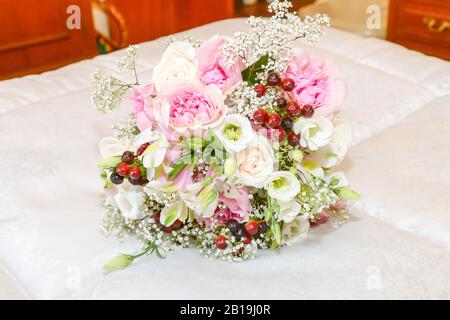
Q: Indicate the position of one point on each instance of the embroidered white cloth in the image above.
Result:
(395, 246)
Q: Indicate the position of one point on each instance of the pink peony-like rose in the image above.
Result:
(190, 107)
(316, 82)
(140, 98)
(236, 202)
(211, 66)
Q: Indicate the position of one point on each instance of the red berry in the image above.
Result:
(293, 139)
(177, 224)
(260, 116)
(246, 240)
(307, 111)
(128, 157)
(251, 227)
(260, 90)
(135, 173)
(278, 134)
(142, 148)
(288, 84)
(123, 169)
(293, 109)
(273, 79)
(221, 242)
(273, 120)
(287, 123)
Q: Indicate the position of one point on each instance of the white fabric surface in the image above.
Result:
(50, 192)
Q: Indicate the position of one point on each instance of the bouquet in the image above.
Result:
(231, 147)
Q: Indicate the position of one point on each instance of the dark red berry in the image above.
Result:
(221, 242)
(240, 233)
(135, 173)
(251, 227)
(288, 84)
(260, 116)
(293, 109)
(123, 169)
(168, 229)
(246, 240)
(142, 148)
(293, 139)
(233, 225)
(307, 111)
(115, 178)
(128, 157)
(135, 182)
(273, 79)
(273, 120)
(287, 123)
(177, 224)
(278, 134)
(260, 90)
(281, 102)
(262, 228)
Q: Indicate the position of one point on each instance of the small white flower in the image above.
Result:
(255, 163)
(177, 62)
(293, 230)
(288, 210)
(129, 201)
(314, 132)
(235, 133)
(282, 185)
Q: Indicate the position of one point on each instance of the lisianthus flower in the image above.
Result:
(235, 132)
(314, 132)
(288, 210)
(255, 163)
(190, 108)
(177, 62)
(317, 82)
(282, 185)
(293, 230)
(211, 66)
(111, 146)
(129, 201)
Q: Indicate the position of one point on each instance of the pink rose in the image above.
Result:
(236, 202)
(190, 107)
(211, 66)
(140, 98)
(316, 82)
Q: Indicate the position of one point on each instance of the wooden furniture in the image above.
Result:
(34, 36)
(422, 25)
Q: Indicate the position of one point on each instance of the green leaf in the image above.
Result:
(249, 74)
(276, 231)
(176, 170)
(170, 214)
(346, 193)
(195, 143)
(119, 262)
(110, 163)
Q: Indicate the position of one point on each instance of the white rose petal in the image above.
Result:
(289, 210)
(282, 185)
(110, 146)
(235, 132)
(178, 62)
(314, 132)
(255, 163)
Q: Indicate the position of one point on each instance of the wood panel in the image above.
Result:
(34, 36)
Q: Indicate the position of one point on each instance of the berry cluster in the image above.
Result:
(281, 118)
(243, 232)
(130, 168)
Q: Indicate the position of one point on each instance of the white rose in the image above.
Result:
(289, 210)
(282, 185)
(235, 133)
(178, 62)
(255, 163)
(129, 201)
(314, 132)
(293, 230)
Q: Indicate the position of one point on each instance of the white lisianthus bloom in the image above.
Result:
(282, 185)
(288, 210)
(255, 163)
(129, 202)
(235, 132)
(177, 62)
(293, 230)
(110, 147)
(337, 180)
(314, 132)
